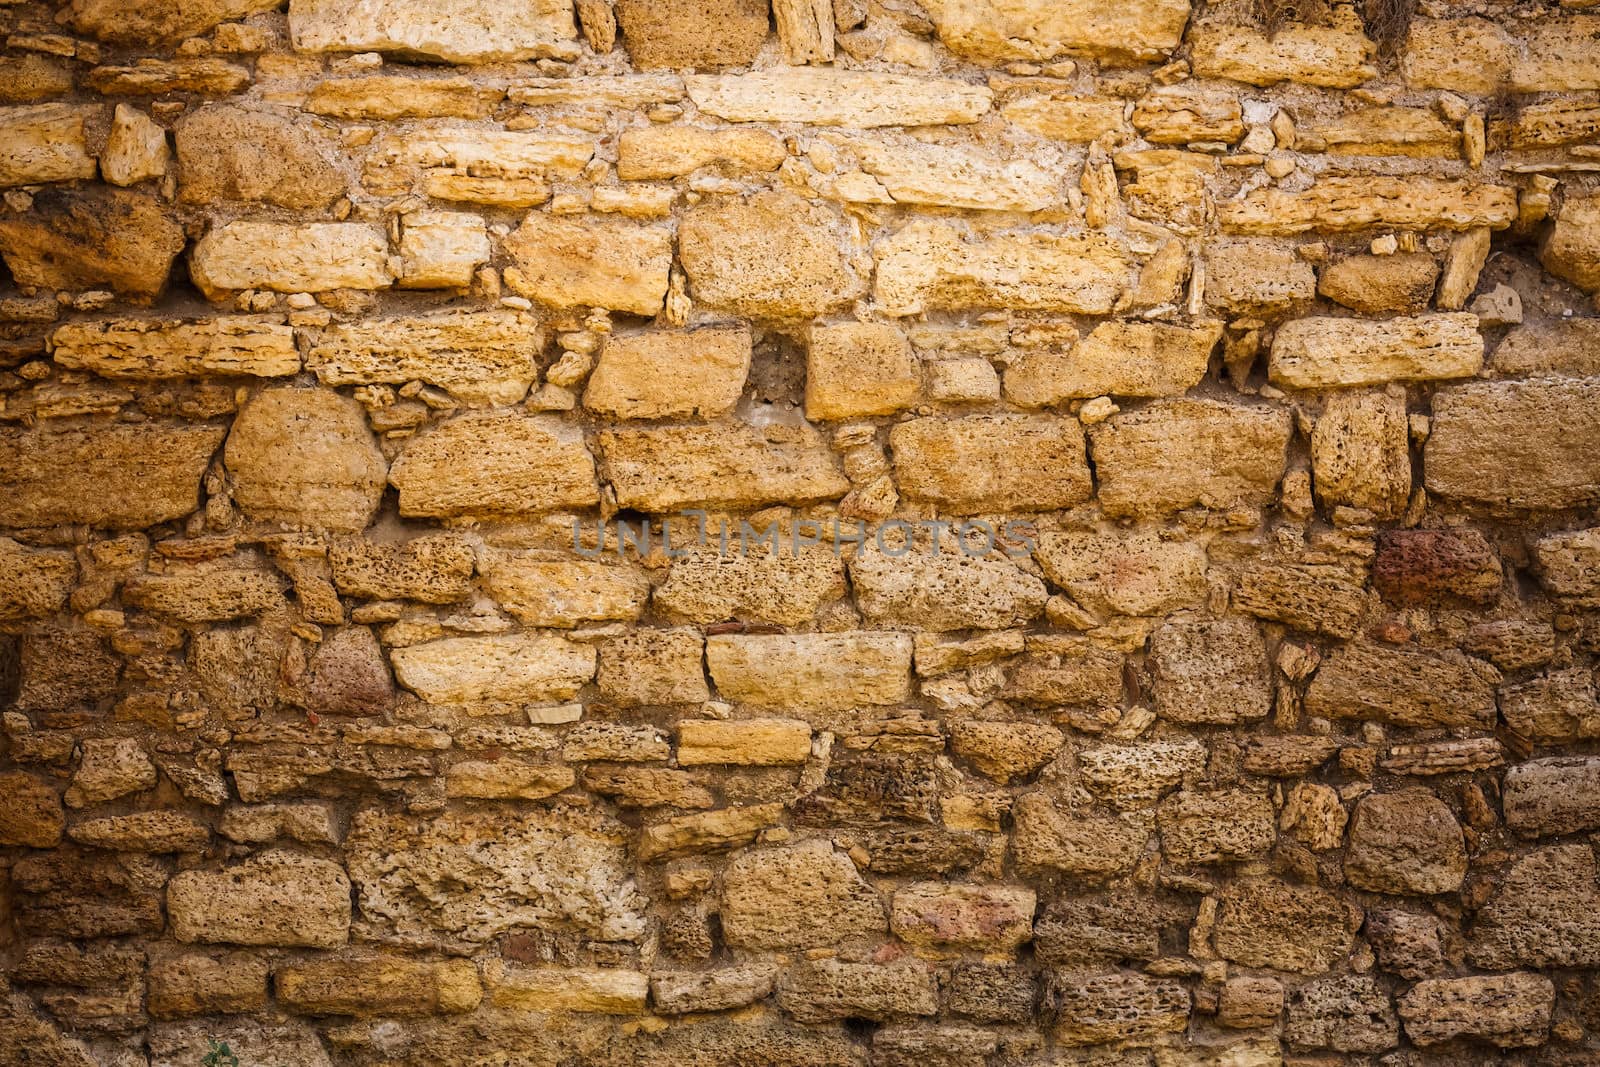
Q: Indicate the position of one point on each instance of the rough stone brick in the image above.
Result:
(724, 465)
(825, 989)
(452, 31)
(370, 984)
(1116, 359)
(286, 258)
(488, 357)
(142, 348)
(691, 374)
(86, 238)
(1209, 671)
(272, 898)
(1093, 1008)
(1516, 445)
(1318, 353)
(654, 667)
(692, 33)
(1568, 565)
(613, 264)
(1546, 797)
(773, 582)
(811, 672)
(1262, 922)
(1095, 846)
(1542, 914)
(1347, 1014)
(992, 463)
(829, 96)
(745, 742)
(1402, 687)
(34, 583)
(433, 568)
(30, 811)
(1220, 827)
(1136, 573)
(1405, 843)
(771, 255)
(1182, 453)
(1360, 453)
(1375, 284)
(305, 457)
(563, 593)
(1018, 29)
(1325, 598)
(510, 667)
(1345, 204)
(948, 591)
(856, 369)
(798, 896)
(44, 143)
(1004, 750)
(495, 463)
(1436, 566)
(230, 153)
(1508, 1011)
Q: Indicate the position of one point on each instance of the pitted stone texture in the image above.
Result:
(798, 896)
(994, 463)
(1508, 1011)
(770, 256)
(948, 591)
(1406, 688)
(272, 898)
(1263, 922)
(1178, 454)
(1531, 445)
(688, 374)
(156, 21)
(488, 357)
(1544, 913)
(1091, 845)
(1221, 827)
(1116, 359)
(1137, 573)
(590, 260)
(763, 582)
(722, 465)
(1023, 29)
(1546, 797)
(1318, 353)
(811, 672)
(305, 457)
(1405, 843)
(692, 33)
(510, 667)
(230, 153)
(1360, 453)
(495, 463)
(1093, 1008)
(285, 258)
(454, 31)
(1210, 671)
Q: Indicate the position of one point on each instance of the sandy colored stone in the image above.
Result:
(1436, 567)
(772, 255)
(1346, 204)
(118, 476)
(1545, 912)
(31, 77)
(1223, 826)
(285, 1041)
(272, 898)
(653, 152)
(1096, 1008)
(1403, 687)
(1508, 1011)
(991, 463)
(30, 811)
(1004, 750)
(1360, 453)
(506, 779)
(1387, 131)
(495, 463)
(542, 989)
(1264, 922)
(453, 31)
(910, 172)
(203, 75)
(909, 587)
(722, 465)
(1133, 574)
(1336, 56)
(508, 667)
(563, 592)
(1116, 359)
(1257, 276)
(144, 831)
(1405, 843)
(1522, 445)
(549, 868)
(442, 249)
(1318, 353)
(288, 258)
(1209, 671)
(384, 97)
(370, 984)
(484, 357)
(1180, 114)
(305, 457)
(696, 373)
(1020, 29)
(936, 266)
(654, 667)
(44, 143)
(685, 992)
(259, 346)
(811, 672)
(1084, 844)
(433, 568)
(990, 918)
(1572, 251)
(501, 168)
(1350, 1013)
(63, 669)
(824, 96)
(34, 583)
(1565, 346)
(199, 983)
(745, 742)
(1182, 453)
(205, 592)
(230, 153)
(709, 831)
(777, 583)
(1319, 597)
(88, 238)
(1376, 284)
(856, 369)
(1076, 675)
(568, 261)
(797, 896)
(146, 22)
(1063, 116)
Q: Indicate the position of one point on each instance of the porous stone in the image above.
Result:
(230, 153)
(86, 238)
(1547, 797)
(1516, 445)
(830, 96)
(826, 989)
(1542, 914)
(725, 465)
(1209, 671)
(1347, 1014)
(1116, 359)
(258, 346)
(455, 31)
(589, 261)
(856, 369)
(1093, 845)
(1360, 453)
(563, 592)
(673, 151)
(746, 742)
(1345, 204)
(1182, 453)
(1572, 251)
(991, 463)
(509, 667)
(1508, 1011)
(371, 984)
(1436, 566)
(1262, 922)
(1364, 680)
(1316, 353)
(285, 258)
(811, 672)
(1137, 573)
(433, 568)
(273, 898)
(305, 457)
(1093, 1008)
(30, 811)
(1405, 843)
(691, 33)
(44, 143)
(761, 581)
(1321, 597)
(797, 896)
(1376, 284)
(991, 918)
(916, 589)
(34, 583)
(769, 256)
(679, 374)
(485, 357)
(1226, 826)
(1004, 750)
(654, 667)
(495, 463)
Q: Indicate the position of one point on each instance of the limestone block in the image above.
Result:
(1318, 353)
(696, 373)
(278, 898)
(44, 143)
(495, 463)
(508, 667)
(305, 456)
(452, 31)
(811, 672)
(290, 258)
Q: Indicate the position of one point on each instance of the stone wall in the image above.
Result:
(831, 533)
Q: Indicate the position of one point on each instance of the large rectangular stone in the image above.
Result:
(1320, 353)
(743, 742)
(564, 592)
(1186, 453)
(1569, 565)
(373, 984)
(1116, 359)
(827, 96)
(44, 143)
(666, 373)
(911, 172)
(526, 668)
(1336, 56)
(121, 476)
(509, 168)
(495, 463)
(811, 672)
(1346, 205)
(725, 465)
(573, 261)
(1547, 797)
(550, 989)
(934, 266)
(484, 357)
(995, 463)
(1144, 30)
(287, 257)
(1517, 444)
(272, 898)
(654, 152)
(260, 346)
(1405, 688)
(454, 31)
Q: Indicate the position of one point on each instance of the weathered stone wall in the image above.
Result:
(1177, 435)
